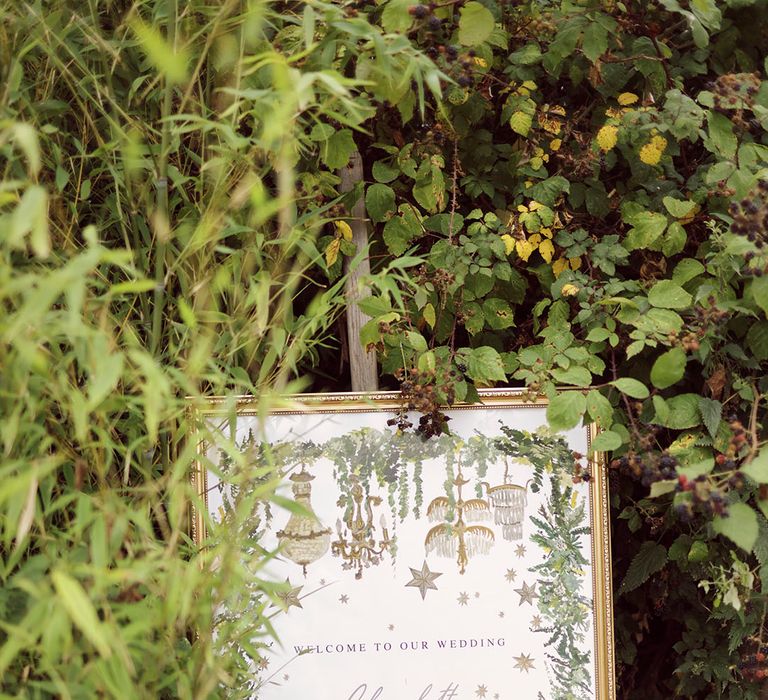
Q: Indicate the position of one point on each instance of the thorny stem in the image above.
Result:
(454, 196)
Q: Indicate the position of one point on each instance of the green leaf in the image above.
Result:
(485, 365)
(686, 270)
(722, 141)
(740, 526)
(395, 17)
(650, 559)
(683, 412)
(427, 362)
(600, 409)
(631, 387)
(669, 368)
(475, 24)
(711, 413)
(679, 209)
(667, 294)
(380, 202)
(498, 314)
(80, 610)
(31, 217)
(566, 409)
(337, 150)
(521, 122)
(576, 376)
(606, 441)
(401, 229)
(172, 64)
(429, 314)
(595, 42)
(699, 551)
(647, 226)
(757, 469)
(760, 292)
(383, 172)
(661, 488)
(416, 341)
(757, 340)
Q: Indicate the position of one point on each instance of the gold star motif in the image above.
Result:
(424, 580)
(263, 663)
(536, 622)
(501, 613)
(477, 594)
(481, 691)
(322, 581)
(510, 575)
(290, 597)
(391, 628)
(520, 551)
(463, 598)
(286, 677)
(527, 593)
(523, 662)
(343, 598)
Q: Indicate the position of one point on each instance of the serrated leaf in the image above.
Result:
(337, 150)
(475, 24)
(760, 292)
(661, 488)
(521, 122)
(649, 560)
(679, 209)
(740, 526)
(606, 441)
(711, 413)
(667, 294)
(566, 409)
(416, 341)
(576, 376)
(683, 412)
(647, 226)
(757, 340)
(669, 368)
(599, 408)
(429, 315)
(632, 387)
(595, 42)
(484, 365)
(757, 469)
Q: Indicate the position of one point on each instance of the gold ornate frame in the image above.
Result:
(389, 402)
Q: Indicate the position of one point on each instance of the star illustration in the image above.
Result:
(536, 622)
(290, 597)
(495, 696)
(527, 593)
(520, 551)
(343, 598)
(523, 662)
(501, 613)
(477, 594)
(481, 691)
(510, 575)
(391, 628)
(424, 580)
(263, 663)
(463, 598)
(322, 581)
(286, 677)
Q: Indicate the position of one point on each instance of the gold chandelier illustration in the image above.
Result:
(509, 501)
(360, 550)
(303, 539)
(457, 538)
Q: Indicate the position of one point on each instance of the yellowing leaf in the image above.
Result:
(529, 84)
(524, 249)
(627, 98)
(613, 113)
(547, 250)
(332, 251)
(651, 153)
(555, 144)
(569, 290)
(509, 243)
(429, 315)
(691, 215)
(533, 206)
(575, 263)
(343, 229)
(607, 137)
(547, 232)
(553, 126)
(557, 109)
(480, 62)
(559, 266)
(522, 208)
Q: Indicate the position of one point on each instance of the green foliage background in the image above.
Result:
(561, 194)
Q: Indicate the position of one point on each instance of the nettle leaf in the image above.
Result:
(632, 387)
(711, 413)
(475, 24)
(380, 202)
(485, 365)
(669, 368)
(498, 313)
(649, 560)
(757, 340)
(683, 412)
(667, 294)
(595, 41)
(547, 191)
(740, 526)
(566, 409)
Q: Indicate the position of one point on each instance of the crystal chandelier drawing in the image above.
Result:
(303, 540)
(509, 501)
(456, 538)
(356, 544)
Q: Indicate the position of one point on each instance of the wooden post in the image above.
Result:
(362, 364)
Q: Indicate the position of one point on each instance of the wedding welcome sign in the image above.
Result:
(475, 564)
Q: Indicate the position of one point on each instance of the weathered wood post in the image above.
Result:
(365, 376)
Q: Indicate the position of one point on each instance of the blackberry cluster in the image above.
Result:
(426, 392)
(753, 664)
(648, 468)
(750, 219)
(703, 497)
(734, 96)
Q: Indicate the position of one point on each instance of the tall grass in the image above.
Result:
(159, 207)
